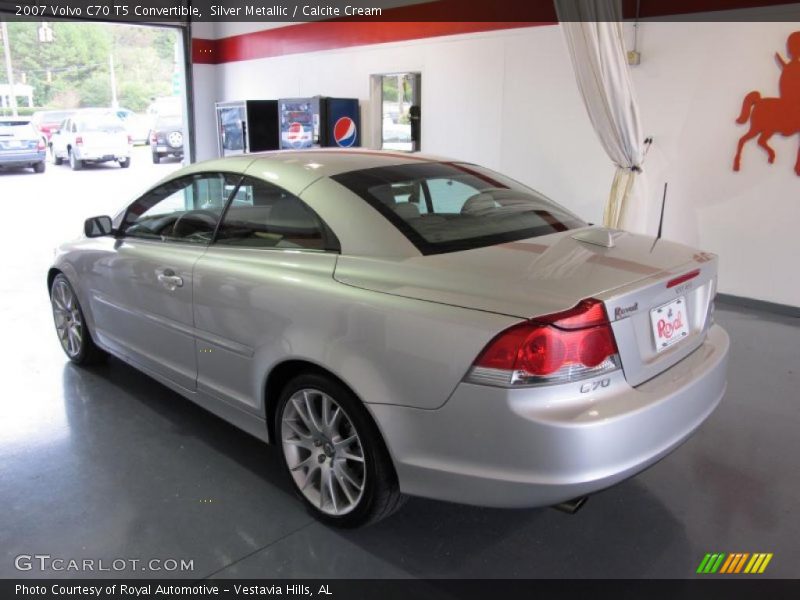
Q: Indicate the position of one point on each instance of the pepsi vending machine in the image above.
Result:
(319, 122)
(247, 126)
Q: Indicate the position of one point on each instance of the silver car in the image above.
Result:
(402, 325)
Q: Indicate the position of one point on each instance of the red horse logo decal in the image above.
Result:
(769, 116)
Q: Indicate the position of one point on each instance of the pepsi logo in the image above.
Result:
(345, 132)
(296, 136)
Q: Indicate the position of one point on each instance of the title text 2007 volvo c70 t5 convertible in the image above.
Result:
(402, 325)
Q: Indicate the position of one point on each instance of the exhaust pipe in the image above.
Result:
(571, 506)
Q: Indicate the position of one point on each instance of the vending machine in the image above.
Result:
(319, 121)
(247, 126)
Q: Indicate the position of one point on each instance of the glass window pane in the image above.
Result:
(446, 207)
(398, 96)
(183, 210)
(263, 215)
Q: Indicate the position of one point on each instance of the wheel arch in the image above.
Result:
(285, 371)
(51, 275)
(279, 376)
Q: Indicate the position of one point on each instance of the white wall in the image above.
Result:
(691, 84)
(508, 100)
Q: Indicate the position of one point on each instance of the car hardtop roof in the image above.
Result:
(294, 170)
(334, 161)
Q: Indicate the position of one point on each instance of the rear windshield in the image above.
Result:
(17, 129)
(109, 123)
(446, 207)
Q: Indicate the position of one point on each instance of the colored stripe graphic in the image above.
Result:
(711, 562)
(703, 563)
(722, 563)
(758, 563)
(741, 562)
(732, 559)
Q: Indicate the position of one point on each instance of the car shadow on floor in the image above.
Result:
(185, 417)
(625, 531)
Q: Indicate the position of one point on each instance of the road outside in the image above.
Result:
(42, 210)
(39, 212)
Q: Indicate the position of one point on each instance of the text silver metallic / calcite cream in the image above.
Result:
(401, 325)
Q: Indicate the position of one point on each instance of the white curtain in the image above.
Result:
(593, 32)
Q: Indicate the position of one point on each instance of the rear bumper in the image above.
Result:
(167, 150)
(102, 155)
(21, 159)
(540, 446)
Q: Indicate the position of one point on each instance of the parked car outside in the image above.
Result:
(46, 121)
(137, 126)
(402, 324)
(166, 137)
(21, 145)
(91, 136)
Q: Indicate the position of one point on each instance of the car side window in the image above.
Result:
(263, 215)
(186, 209)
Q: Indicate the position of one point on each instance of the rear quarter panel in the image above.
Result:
(258, 308)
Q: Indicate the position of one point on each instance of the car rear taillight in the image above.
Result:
(683, 278)
(41, 145)
(558, 348)
(130, 139)
(153, 138)
(78, 140)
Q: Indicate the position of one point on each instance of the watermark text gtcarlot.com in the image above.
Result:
(46, 562)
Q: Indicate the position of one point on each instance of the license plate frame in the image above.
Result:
(669, 323)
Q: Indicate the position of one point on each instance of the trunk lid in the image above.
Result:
(529, 278)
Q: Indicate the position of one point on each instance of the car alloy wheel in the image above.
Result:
(68, 318)
(323, 452)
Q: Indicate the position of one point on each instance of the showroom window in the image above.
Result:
(182, 210)
(262, 215)
(398, 110)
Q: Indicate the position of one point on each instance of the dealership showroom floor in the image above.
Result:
(106, 463)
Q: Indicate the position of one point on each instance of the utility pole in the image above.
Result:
(9, 71)
(114, 102)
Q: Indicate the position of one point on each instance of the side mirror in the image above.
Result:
(97, 226)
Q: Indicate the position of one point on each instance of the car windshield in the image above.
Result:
(446, 207)
(17, 129)
(108, 123)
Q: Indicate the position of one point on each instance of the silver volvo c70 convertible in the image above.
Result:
(401, 324)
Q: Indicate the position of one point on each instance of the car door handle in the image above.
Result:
(169, 280)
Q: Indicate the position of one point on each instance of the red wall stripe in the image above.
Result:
(204, 52)
(426, 20)
(329, 35)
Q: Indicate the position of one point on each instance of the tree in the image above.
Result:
(77, 61)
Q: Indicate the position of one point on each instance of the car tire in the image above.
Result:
(76, 164)
(71, 327)
(326, 463)
(125, 162)
(156, 158)
(39, 167)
